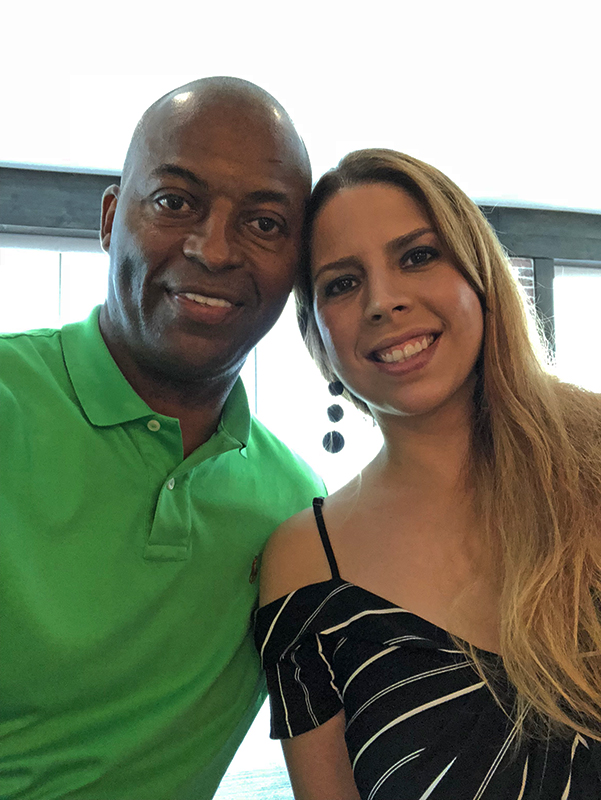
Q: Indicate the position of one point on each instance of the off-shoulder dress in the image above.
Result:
(420, 722)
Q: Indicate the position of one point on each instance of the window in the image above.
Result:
(576, 301)
(48, 288)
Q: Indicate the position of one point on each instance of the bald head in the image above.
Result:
(239, 105)
(203, 233)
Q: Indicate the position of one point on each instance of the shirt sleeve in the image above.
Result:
(302, 688)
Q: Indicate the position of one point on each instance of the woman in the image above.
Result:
(432, 629)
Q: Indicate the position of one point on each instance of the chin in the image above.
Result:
(424, 405)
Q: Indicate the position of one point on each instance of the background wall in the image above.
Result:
(501, 96)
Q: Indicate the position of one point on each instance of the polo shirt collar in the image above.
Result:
(236, 416)
(106, 396)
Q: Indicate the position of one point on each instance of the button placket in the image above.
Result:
(169, 538)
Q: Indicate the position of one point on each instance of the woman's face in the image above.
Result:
(401, 326)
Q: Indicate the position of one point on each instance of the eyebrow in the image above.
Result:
(403, 241)
(390, 247)
(268, 196)
(260, 196)
(179, 172)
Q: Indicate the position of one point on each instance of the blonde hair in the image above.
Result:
(535, 464)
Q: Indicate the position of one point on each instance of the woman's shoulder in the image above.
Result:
(294, 557)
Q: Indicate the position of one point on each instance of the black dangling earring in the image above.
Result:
(333, 441)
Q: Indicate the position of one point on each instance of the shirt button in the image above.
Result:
(153, 425)
(170, 483)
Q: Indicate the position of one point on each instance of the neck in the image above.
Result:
(197, 403)
(198, 408)
(429, 451)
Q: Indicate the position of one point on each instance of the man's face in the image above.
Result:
(204, 238)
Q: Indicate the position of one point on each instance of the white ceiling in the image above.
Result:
(503, 96)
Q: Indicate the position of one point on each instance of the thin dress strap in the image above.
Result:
(323, 534)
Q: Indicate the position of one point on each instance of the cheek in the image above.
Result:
(470, 312)
(139, 251)
(274, 289)
(274, 273)
(324, 331)
(335, 336)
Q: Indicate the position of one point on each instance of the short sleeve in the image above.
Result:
(302, 689)
(297, 655)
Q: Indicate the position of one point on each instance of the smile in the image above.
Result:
(216, 302)
(204, 309)
(400, 353)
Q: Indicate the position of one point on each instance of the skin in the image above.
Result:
(381, 274)
(211, 203)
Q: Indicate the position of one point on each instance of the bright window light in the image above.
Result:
(577, 299)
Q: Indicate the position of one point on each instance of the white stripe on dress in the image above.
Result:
(437, 780)
(577, 740)
(497, 760)
(404, 682)
(437, 702)
(524, 777)
(407, 638)
(310, 619)
(273, 622)
(366, 613)
(366, 664)
(330, 670)
(500, 755)
(297, 678)
(277, 666)
(342, 640)
(411, 757)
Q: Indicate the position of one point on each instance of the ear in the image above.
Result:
(109, 207)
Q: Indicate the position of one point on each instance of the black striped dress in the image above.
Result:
(420, 723)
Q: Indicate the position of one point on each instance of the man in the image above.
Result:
(136, 491)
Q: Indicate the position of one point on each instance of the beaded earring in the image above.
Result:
(333, 441)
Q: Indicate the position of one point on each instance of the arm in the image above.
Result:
(317, 761)
(319, 765)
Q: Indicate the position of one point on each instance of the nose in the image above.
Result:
(212, 244)
(385, 295)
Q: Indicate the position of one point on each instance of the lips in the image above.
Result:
(214, 298)
(215, 302)
(403, 347)
(203, 307)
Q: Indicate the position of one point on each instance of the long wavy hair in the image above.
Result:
(535, 460)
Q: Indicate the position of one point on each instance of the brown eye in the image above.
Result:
(341, 285)
(266, 226)
(419, 256)
(172, 202)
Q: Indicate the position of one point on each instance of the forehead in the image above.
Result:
(364, 216)
(227, 149)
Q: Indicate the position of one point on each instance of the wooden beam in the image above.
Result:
(51, 203)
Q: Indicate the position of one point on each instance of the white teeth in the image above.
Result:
(207, 301)
(403, 353)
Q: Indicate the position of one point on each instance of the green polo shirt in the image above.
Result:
(126, 578)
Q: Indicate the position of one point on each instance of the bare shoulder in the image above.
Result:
(294, 557)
